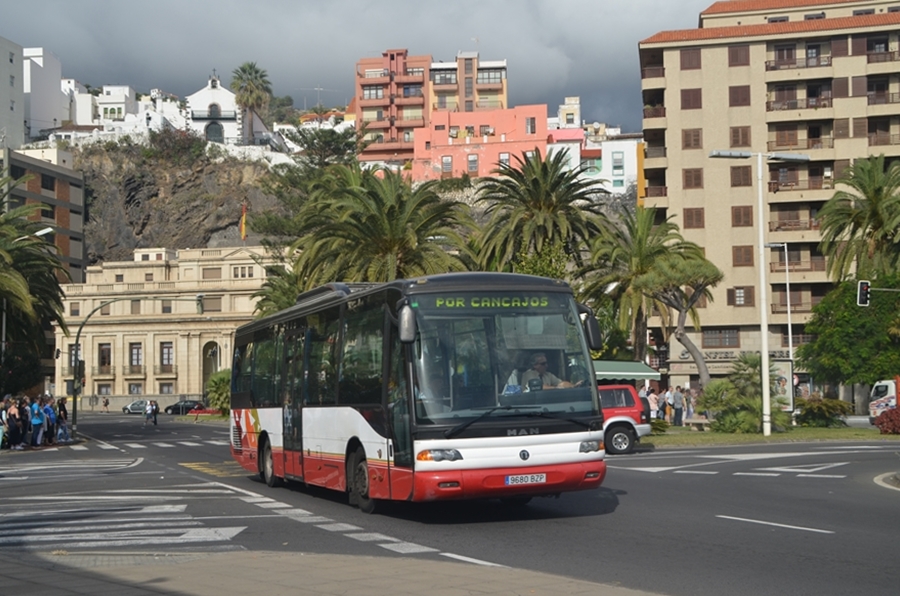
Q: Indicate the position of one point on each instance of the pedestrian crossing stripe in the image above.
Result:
(226, 469)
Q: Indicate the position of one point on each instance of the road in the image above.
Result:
(792, 518)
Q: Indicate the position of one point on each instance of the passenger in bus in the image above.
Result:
(538, 371)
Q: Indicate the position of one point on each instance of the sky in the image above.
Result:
(553, 48)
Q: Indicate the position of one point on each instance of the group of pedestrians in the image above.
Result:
(670, 405)
(33, 422)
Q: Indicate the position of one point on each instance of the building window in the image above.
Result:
(721, 338)
(104, 358)
(135, 388)
(242, 272)
(166, 356)
(12, 58)
(412, 90)
(783, 19)
(742, 256)
(485, 130)
(690, 59)
(739, 95)
(104, 389)
(373, 92)
(467, 66)
(618, 163)
(816, 16)
(740, 296)
(135, 307)
(148, 277)
(12, 80)
(12, 105)
(444, 78)
(618, 183)
(692, 138)
(104, 310)
(167, 307)
(470, 105)
(469, 87)
(48, 182)
(786, 55)
(48, 211)
(473, 163)
(74, 309)
(212, 273)
(739, 55)
(740, 136)
(493, 75)
(212, 304)
(166, 388)
(120, 277)
(427, 145)
(693, 217)
(503, 159)
(693, 178)
(742, 217)
(863, 12)
(530, 126)
(570, 118)
(446, 164)
(145, 257)
(691, 99)
(135, 354)
(741, 176)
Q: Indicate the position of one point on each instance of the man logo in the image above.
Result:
(524, 455)
(520, 432)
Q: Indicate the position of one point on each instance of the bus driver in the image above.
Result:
(539, 371)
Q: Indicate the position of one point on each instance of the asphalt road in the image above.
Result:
(772, 519)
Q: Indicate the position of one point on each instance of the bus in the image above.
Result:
(417, 390)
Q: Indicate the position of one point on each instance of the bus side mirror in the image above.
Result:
(407, 324)
(592, 330)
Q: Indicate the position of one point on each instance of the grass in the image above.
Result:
(685, 437)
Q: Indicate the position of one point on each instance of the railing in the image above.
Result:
(810, 62)
(412, 93)
(375, 74)
(884, 139)
(874, 57)
(655, 112)
(165, 369)
(652, 72)
(799, 338)
(655, 152)
(489, 104)
(806, 103)
(133, 369)
(104, 370)
(213, 115)
(790, 225)
(808, 184)
(450, 105)
(657, 191)
(814, 264)
(795, 307)
(881, 98)
(816, 143)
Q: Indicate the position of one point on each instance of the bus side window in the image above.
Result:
(323, 353)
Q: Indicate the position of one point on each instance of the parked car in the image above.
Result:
(184, 406)
(626, 417)
(136, 407)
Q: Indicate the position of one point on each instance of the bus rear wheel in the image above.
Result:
(267, 467)
(359, 478)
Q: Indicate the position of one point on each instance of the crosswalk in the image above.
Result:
(115, 519)
(135, 445)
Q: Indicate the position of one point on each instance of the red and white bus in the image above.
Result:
(410, 390)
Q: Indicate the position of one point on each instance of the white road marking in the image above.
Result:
(695, 472)
(807, 469)
(218, 442)
(292, 512)
(106, 446)
(339, 527)
(371, 537)
(765, 523)
(821, 476)
(189, 444)
(471, 560)
(135, 445)
(164, 444)
(310, 519)
(407, 548)
(257, 500)
(756, 474)
(273, 505)
(78, 448)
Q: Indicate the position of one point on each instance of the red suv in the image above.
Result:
(626, 417)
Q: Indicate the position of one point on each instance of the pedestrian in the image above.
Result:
(62, 419)
(4, 434)
(148, 413)
(678, 407)
(37, 422)
(49, 419)
(653, 399)
(105, 407)
(14, 425)
(155, 410)
(690, 396)
(669, 405)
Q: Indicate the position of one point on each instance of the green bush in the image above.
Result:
(218, 391)
(178, 146)
(658, 426)
(822, 413)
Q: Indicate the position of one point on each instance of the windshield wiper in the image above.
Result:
(452, 432)
(544, 414)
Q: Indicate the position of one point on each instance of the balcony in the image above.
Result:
(651, 152)
(377, 123)
(657, 191)
(105, 371)
(488, 104)
(802, 306)
(799, 338)
(374, 77)
(653, 72)
(410, 76)
(793, 225)
(447, 106)
(879, 98)
(411, 123)
(806, 103)
(489, 86)
(808, 184)
(802, 144)
(165, 370)
(410, 99)
(655, 112)
(389, 145)
(134, 371)
(811, 62)
(444, 85)
(881, 139)
(814, 264)
(213, 114)
(876, 57)
(374, 102)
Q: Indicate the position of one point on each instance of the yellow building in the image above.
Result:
(141, 330)
(810, 77)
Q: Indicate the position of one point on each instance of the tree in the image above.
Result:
(218, 391)
(373, 226)
(626, 250)
(535, 201)
(282, 286)
(550, 262)
(680, 283)
(861, 225)
(851, 344)
(323, 147)
(252, 90)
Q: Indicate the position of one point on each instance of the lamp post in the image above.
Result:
(763, 293)
(37, 234)
(787, 289)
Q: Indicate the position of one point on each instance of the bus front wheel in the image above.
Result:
(359, 476)
(267, 467)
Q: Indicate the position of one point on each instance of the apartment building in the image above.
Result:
(396, 94)
(141, 331)
(12, 95)
(816, 78)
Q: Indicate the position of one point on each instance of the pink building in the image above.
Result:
(473, 143)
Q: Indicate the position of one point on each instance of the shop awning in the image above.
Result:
(606, 370)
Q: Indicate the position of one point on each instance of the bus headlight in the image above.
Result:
(439, 455)
(589, 446)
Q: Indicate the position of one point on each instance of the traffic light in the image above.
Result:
(58, 353)
(862, 293)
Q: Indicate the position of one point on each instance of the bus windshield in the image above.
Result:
(476, 351)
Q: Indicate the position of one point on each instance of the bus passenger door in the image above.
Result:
(400, 460)
(291, 408)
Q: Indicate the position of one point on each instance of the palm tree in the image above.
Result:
(861, 225)
(535, 201)
(373, 226)
(252, 90)
(622, 253)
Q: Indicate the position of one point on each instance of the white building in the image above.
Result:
(115, 102)
(44, 111)
(12, 95)
(80, 106)
(213, 113)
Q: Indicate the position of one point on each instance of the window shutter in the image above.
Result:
(859, 86)
(786, 136)
(858, 45)
(839, 166)
(839, 46)
(860, 127)
(740, 136)
(748, 296)
(839, 87)
(841, 128)
(739, 95)
(739, 55)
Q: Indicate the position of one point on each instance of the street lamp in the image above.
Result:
(787, 289)
(37, 234)
(763, 294)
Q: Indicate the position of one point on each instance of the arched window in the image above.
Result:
(215, 111)
(215, 133)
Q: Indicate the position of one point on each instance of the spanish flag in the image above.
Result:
(244, 221)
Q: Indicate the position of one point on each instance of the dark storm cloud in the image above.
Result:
(554, 48)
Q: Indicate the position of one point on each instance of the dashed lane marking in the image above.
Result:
(226, 469)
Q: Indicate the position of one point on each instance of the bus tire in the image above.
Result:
(359, 475)
(619, 440)
(267, 467)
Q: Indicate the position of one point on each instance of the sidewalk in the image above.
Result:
(271, 573)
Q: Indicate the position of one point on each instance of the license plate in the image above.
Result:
(526, 479)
